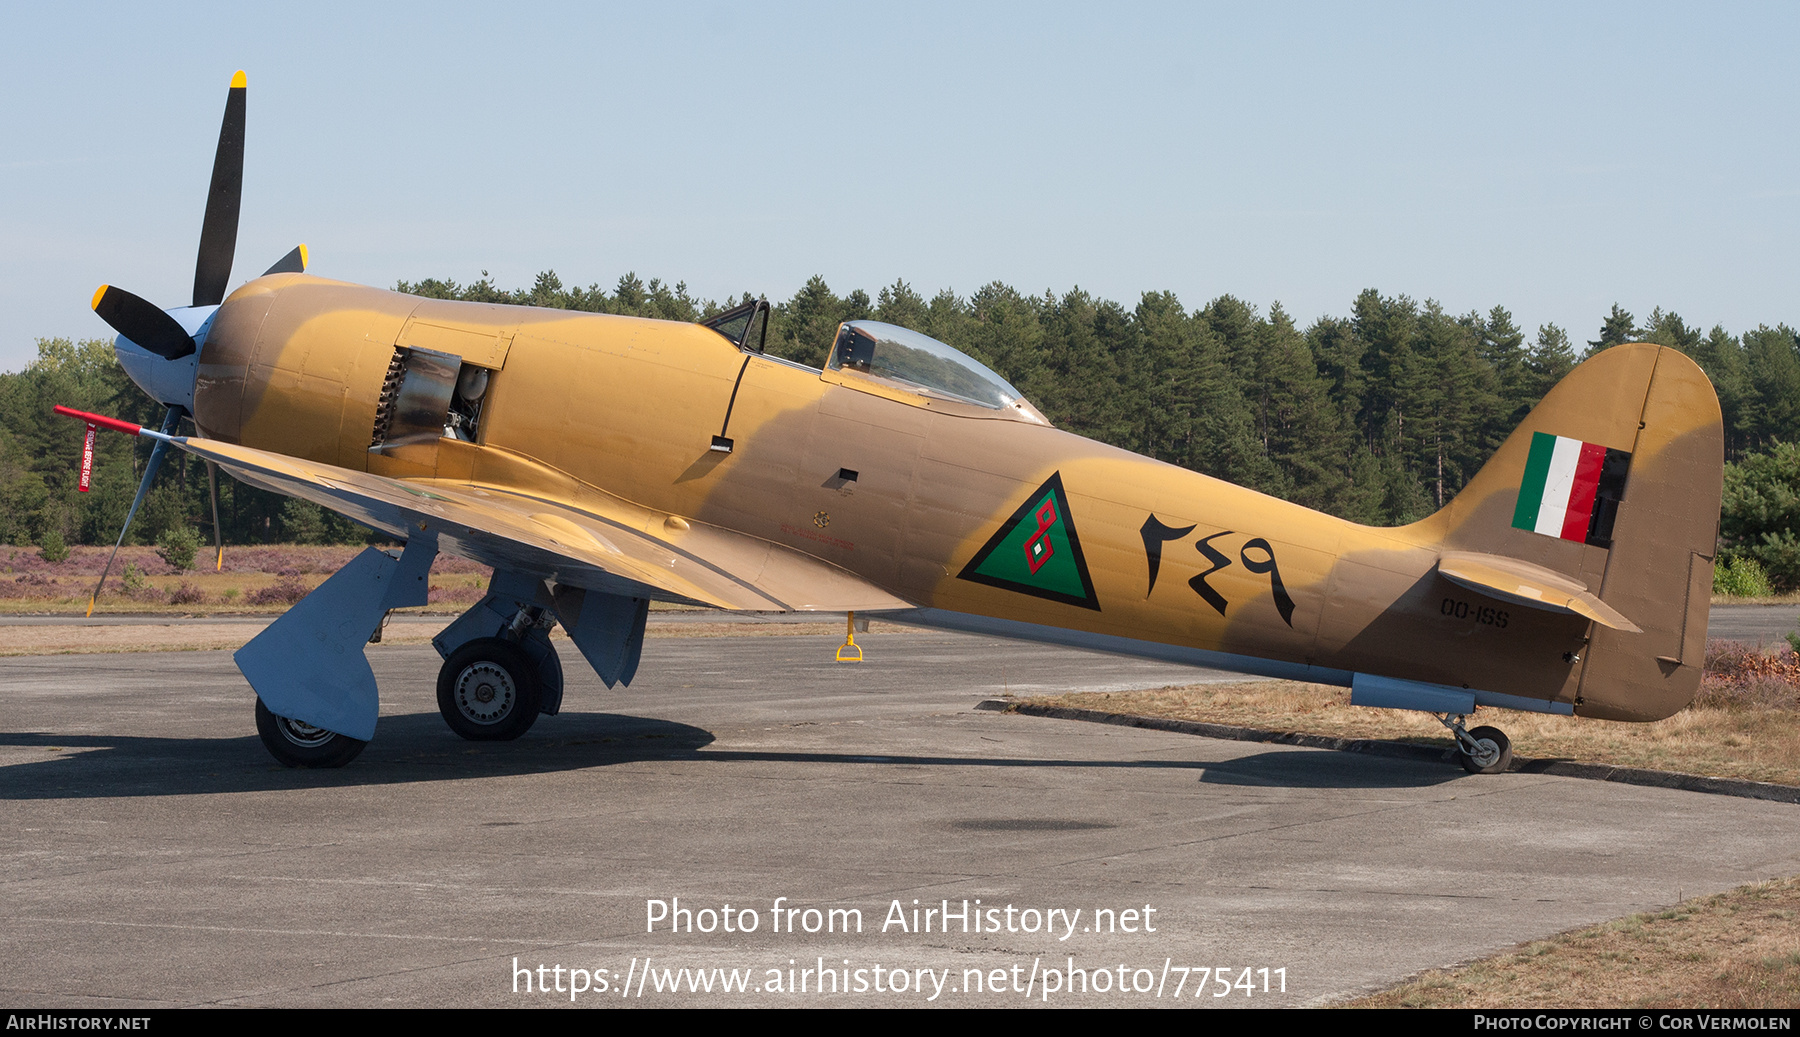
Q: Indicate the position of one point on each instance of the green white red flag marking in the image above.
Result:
(1562, 478)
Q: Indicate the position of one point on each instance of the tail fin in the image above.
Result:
(1612, 483)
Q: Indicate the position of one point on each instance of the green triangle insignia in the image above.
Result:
(1037, 551)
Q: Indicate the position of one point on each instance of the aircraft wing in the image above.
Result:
(602, 543)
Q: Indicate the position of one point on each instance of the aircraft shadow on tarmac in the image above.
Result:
(409, 748)
(417, 748)
(1331, 770)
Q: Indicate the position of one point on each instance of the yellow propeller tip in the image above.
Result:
(99, 293)
(305, 258)
(90, 611)
(238, 80)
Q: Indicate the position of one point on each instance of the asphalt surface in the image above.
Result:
(1766, 624)
(154, 855)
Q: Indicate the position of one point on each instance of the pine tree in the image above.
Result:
(1006, 336)
(898, 304)
(1667, 329)
(1772, 361)
(1617, 329)
(1550, 359)
(1081, 378)
(806, 325)
(1721, 356)
(1502, 348)
(1300, 428)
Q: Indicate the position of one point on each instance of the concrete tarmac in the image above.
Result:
(155, 856)
(1765, 624)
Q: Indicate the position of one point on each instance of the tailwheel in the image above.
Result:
(1488, 751)
(298, 744)
(1485, 750)
(488, 691)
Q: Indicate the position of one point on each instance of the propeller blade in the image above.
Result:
(157, 453)
(218, 234)
(212, 489)
(292, 263)
(142, 322)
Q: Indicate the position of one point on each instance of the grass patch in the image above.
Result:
(254, 579)
(1784, 598)
(1739, 949)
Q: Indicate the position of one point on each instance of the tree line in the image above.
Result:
(1379, 416)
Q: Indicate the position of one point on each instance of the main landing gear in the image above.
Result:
(1485, 750)
(488, 691)
(297, 744)
(500, 670)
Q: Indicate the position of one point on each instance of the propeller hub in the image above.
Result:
(168, 382)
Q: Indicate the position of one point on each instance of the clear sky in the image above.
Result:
(1551, 158)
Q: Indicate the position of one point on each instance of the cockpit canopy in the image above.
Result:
(922, 365)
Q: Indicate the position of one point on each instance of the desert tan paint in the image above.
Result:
(583, 402)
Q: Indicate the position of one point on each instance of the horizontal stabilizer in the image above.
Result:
(1512, 580)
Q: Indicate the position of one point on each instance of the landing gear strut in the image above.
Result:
(1485, 750)
(295, 743)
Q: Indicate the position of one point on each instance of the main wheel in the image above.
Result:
(299, 744)
(488, 691)
(1493, 752)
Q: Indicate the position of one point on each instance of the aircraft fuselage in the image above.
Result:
(965, 513)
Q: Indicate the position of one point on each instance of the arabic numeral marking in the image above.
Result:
(1284, 603)
(1256, 554)
(1183, 969)
(1245, 983)
(1219, 561)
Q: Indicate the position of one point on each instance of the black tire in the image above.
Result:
(296, 744)
(488, 691)
(1496, 754)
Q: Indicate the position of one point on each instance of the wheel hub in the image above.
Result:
(1484, 752)
(301, 733)
(485, 693)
